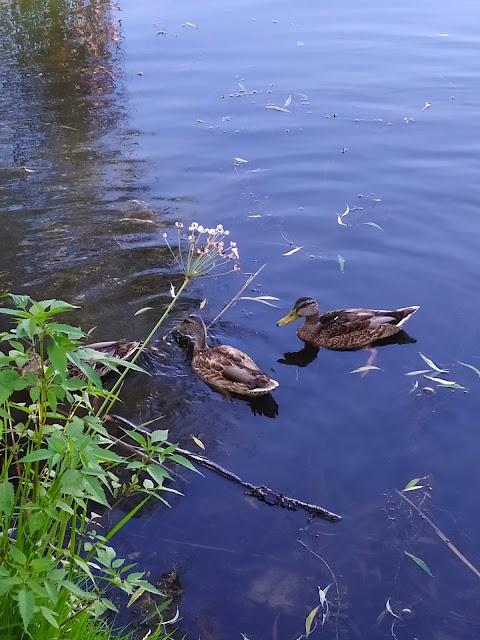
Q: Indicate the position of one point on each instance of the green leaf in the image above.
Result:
(413, 483)
(432, 365)
(85, 368)
(72, 332)
(7, 495)
(26, 606)
(158, 473)
(160, 435)
(183, 461)
(310, 619)
(18, 556)
(275, 108)
(35, 456)
(58, 358)
(420, 563)
(49, 616)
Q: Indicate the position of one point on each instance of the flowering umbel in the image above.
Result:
(207, 250)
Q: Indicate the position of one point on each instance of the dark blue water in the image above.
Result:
(138, 124)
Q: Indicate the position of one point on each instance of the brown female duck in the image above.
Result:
(225, 368)
(345, 329)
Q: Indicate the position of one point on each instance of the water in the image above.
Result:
(124, 130)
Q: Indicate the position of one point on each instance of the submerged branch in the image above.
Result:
(262, 492)
(441, 535)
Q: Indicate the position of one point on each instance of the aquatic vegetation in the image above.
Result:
(225, 368)
(345, 328)
(57, 563)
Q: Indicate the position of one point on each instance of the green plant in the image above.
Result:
(56, 570)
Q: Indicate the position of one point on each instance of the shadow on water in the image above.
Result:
(309, 352)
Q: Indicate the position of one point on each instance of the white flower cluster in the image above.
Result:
(207, 250)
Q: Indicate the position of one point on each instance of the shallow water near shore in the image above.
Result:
(118, 120)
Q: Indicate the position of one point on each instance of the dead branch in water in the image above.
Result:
(441, 535)
(262, 493)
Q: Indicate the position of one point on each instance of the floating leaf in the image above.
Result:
(446, 383)
(413, 484)
(198, 442)
(417, 373)
(370, 367)
(322, 594)
(339, 220)
(203, 303)
(420, 563)
(65, 126)
(240, 160)
(288, 101)
(136, 220)
(373, 224)
(470, 366)
(432, 365)
(262, 299)
(143, 310)
(190, 24)
(341, 262)
(172, 290)
(275, 108)
(310, 619)
(415, 386)
(257, 215)
(28, 170)
(289, 253)
(427, 104)
(390, 610)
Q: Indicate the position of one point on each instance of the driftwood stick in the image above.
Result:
(237, 295)
(262, 493)
(441, 535)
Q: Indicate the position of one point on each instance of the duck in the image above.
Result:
(119, 349)
(225, 368)
(345, 329)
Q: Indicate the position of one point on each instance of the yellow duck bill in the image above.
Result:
(293, 315)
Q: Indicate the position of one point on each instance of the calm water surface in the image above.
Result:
(130, 117)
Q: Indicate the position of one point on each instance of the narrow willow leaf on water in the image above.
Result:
(203, 303)
(190, 24)
(28, 170)
(470, 366)
(261, 299)
(420, 563)
(275, 108)
(341, 262)
(417, 373)
(198, 442)
(418, 486)
(310, 619)
(373, 224)
(339, 220)
(415, 386)
(65, 126)
(370, 367)
(292, 251)
(322, 594)
(288, 101)
(390, 610)
(240, 160)
(432, 365)
(446, 383)
(244, 637)
(137, 220)
(172, 290)
(143, 310)
(257, 215)
(413, 483)
(427, 104)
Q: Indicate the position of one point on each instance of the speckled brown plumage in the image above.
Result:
(223, 367)
(345, 328)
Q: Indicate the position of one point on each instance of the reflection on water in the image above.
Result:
(119, 118)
